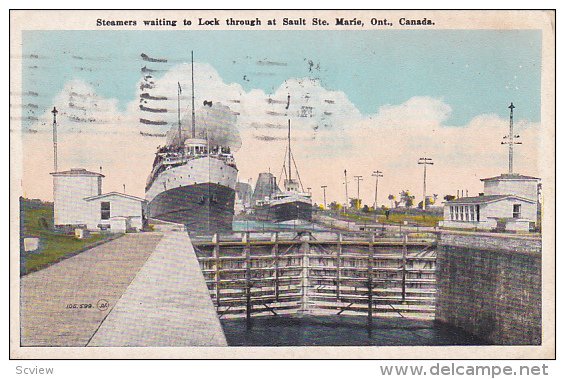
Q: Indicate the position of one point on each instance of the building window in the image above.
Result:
(451, 213)
(516, 210)
(478, 212)
(105, 210)
(472, 210)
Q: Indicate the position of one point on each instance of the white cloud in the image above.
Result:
(329, 135)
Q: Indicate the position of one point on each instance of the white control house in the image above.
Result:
(80, 203)
(509, 202)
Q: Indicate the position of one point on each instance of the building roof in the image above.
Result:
(485, 199)
(113, 194)
(510, 177)
(76, 172)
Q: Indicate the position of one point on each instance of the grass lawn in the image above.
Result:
(358, 217)
(395, 218)
(37, 221)
(422, 220)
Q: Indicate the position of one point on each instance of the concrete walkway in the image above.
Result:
(100, 274)
(167, 304)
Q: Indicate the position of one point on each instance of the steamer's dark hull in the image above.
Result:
(295, 210)
(204, 207)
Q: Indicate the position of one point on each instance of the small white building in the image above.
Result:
(79, 203)
(509, 202)
(114, 205)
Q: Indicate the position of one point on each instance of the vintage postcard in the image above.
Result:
(282, 184)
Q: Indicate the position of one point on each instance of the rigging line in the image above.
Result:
(285, 174)
(297, 173)
(283, 169)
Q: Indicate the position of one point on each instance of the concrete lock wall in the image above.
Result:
(490, 285)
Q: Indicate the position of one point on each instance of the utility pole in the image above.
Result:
(54, 111)
(324, 188)
(425, 162)
(377, 174)
(346, 193)
(358, 202)
(510, 140)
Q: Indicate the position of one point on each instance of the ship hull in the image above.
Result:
(202, 207)
(287, 211)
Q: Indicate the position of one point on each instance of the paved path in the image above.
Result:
(167, 304)
(103, 272)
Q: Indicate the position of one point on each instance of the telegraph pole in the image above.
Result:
(425, 162)
(324, 188)
(358, 202)
(54, 111)
(510, 140)
(377, 174)
(346, 193)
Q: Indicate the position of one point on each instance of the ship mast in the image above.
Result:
(289, 155)
(193, 114)
(179, 91)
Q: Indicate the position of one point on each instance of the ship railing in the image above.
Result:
(169, 161)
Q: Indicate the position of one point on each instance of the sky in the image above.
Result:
(360, 100)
